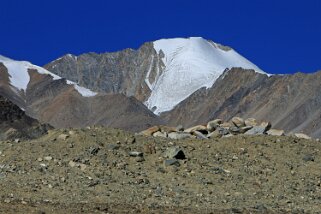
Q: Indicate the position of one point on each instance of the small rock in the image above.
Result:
(308, 157)
(302, 136)
(275, 132)
(72, 164)
(171, 162)
(112, 147)
(140, 159)
(160, 134)
(94, 150)
(238, 122)
(245, 129)
(136, 154)
(17, 140)
(48, 158)
(39, 159)
(215, 134)
(175, 152)
(63, 137)
(250, 122)
(179, 135)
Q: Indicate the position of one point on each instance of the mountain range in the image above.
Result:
(170, 81)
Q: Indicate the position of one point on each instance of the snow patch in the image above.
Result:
(19, 76)
(190, 64)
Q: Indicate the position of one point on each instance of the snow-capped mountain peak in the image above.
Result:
(190, 64)
(19, 76)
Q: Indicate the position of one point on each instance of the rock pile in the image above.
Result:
(218, 128)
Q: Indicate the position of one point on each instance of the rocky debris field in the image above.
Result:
(218, 128)
(99, 170)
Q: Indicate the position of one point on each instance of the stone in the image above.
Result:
(302, 136)
(72, 164)
(238, 122)
(63, 137)
(112, 147)
(308, 157)
(48, 158)
(276, 132)
(167, 129)
(256, 130)
(215, 134)
(196, 128)
(212, 125)
(174, 152)
(179, 135)
(171, 162)
(234, 130)
(135, 154)
(200, 135)
(245, 129)
(266, 126)
(180, 128)
(160, 134)
(150, 131)
(226, 125)
(250, 122)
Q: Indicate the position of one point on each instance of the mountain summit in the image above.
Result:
(160, 74)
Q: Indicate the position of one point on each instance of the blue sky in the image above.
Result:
(278, 36)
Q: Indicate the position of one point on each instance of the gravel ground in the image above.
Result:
(101, 170)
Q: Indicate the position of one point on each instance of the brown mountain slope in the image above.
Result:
(290, 102)
(61, 105)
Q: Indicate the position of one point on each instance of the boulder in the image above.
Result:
(212, 125)
(266, 125)
(276, 132)
(174, 152)
(179, 135)
(196, 128)
(250, 122)
(302, 136)
(167, 129)
(245, 129)
(256, 130)
(150, 131)
(199, 135)
(234, 130)
(160, 134)
(63, 137)
(238, 122)
(171, 162)
(218, 133)
(226, 125)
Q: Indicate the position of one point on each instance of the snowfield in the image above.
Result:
(190, 64)
(19, 76)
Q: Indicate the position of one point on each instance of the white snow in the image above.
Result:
(19, 76)
(190, 64)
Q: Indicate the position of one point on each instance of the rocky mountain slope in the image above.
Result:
(161, 74)
(63, 103)
(15, 124)
(289, 102)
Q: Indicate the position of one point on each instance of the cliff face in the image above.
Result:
(290, 102)
(120, 72)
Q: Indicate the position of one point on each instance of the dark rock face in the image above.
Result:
(119, 72)
(290, 102)
(14, 123)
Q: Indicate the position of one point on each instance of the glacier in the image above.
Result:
(190, 64)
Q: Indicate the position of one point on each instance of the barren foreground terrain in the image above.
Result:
(99, 170)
